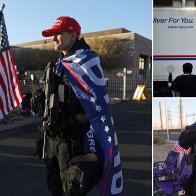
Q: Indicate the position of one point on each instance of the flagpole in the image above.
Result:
(2, 7)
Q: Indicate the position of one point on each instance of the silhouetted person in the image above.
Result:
(184, 85)
(26, 106)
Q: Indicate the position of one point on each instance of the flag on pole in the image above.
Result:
(10, 92)
(178, 148)
(120, 74)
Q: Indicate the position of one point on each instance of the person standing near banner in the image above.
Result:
(184, 85)
(94, 138)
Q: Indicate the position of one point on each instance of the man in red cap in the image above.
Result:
(68, 172)
(81, 145)
(66, 31)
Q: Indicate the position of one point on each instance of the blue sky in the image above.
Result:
(172, 104)
(25, 19)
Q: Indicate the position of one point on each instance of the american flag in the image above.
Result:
(10, 92)
(120, 74)
(85, 74)
(178, 148)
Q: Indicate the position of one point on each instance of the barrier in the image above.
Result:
(141, 93)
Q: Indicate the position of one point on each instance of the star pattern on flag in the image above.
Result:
(109, 139)
(98, 112)
(98, 108)
(3, 36)
(103, 119)
(106, 129)
(93, 99)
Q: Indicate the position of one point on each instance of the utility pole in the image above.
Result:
(160, 115)
(166, 117)
(181, 114)
(169, 118)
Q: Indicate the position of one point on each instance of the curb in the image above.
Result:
(115, 100)
(37, 119)
(19, 124)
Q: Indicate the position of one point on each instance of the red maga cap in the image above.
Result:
(63, 24)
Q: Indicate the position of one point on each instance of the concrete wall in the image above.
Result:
(143, 47)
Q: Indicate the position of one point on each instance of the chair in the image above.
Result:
(174, 181)
(167, 167)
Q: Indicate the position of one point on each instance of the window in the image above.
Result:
(143, 62)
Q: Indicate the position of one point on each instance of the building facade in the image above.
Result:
(118, 48)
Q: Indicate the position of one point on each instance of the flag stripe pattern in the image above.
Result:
(10, 92)
(178, 148)
(85, 74)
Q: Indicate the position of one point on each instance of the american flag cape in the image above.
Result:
(10, 92)
(85, 75)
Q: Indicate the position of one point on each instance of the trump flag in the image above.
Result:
(10, 92)
(85, 74)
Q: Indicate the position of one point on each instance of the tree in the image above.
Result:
(113, 52)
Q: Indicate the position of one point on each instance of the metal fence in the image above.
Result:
(168, 135)
(120, 83)
(124, 85)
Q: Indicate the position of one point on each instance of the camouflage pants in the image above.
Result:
(57, 155)
(74, 177)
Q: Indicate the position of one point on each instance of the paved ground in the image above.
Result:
(23, 174)
(160, 151)
(133, 122)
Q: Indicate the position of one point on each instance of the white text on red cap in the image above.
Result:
(58, 22)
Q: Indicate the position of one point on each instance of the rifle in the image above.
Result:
(51, 113)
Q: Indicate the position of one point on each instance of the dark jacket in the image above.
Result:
(185, 85)
(72, 119)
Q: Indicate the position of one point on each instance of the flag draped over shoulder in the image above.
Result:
(85, 74)
(10, 92)
(178, 148)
